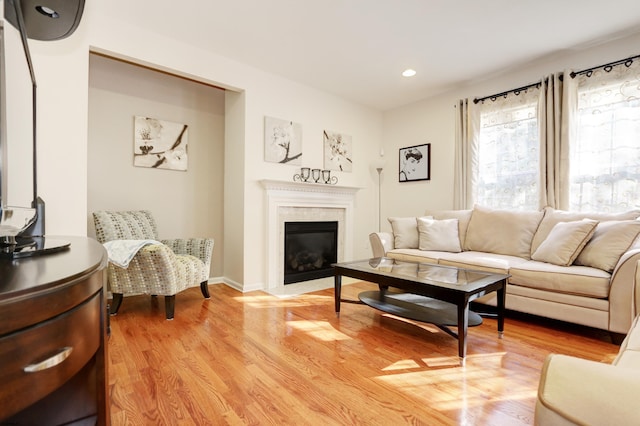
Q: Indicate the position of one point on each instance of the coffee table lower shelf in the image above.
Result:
(419, 308)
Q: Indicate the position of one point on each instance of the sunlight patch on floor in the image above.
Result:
(442, 387)
(321, 330)
(404, 364)
(269, 301)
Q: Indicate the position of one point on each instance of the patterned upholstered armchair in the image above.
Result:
(163, 268)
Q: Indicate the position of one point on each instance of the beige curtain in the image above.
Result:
(460, 156)
(466, 144)
(554, 102)
(553, 115)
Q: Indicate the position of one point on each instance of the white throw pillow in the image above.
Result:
(463, 216)
(565, 242)
(438, 235)
(609, 242)
(405, 232)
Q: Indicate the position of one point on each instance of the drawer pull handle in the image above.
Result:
(50, 362)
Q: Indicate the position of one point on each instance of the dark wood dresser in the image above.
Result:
(53, 337)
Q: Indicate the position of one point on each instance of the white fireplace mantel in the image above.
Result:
(309, 197)
(282, 185)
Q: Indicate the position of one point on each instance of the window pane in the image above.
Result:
(605, 155)
(509, 157)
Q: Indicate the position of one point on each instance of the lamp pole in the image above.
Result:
(379, 169)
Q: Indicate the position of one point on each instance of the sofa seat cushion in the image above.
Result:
(490, 262)
(415, 255)
(579, 280)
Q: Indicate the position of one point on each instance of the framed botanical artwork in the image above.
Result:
(282, 141)
(415, 163)
(337, 151)
(160, 144)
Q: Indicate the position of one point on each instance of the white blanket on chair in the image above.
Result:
(122, 251)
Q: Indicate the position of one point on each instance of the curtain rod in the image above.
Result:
(514, 91)
(607, 67)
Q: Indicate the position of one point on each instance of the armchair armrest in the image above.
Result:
(381, 243)
(579, 391)
(202, 248)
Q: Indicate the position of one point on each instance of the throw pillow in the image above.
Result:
(609, 242)
(405, 232)
(463, 217)
(553, 216)
(438, 235)
(565, 242)
(502, 231)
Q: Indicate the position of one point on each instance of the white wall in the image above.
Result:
(184, 204)
(433, 121)
(63, 80)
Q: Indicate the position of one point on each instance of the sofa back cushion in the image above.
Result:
(611, 239)
(463, 216)
(502, 231)
(553, 216)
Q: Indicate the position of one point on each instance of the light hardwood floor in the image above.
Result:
(256, 359)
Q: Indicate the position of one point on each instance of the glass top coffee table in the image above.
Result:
(431, 293)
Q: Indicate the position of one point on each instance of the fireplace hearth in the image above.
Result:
(309, 250)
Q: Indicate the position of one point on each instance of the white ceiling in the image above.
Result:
(357, 49)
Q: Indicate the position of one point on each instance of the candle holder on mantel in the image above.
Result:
(303, 176)
(315, 176)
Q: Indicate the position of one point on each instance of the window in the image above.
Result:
(582, 154)
(604, 161)
(508, 155)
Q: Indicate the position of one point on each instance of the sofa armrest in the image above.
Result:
(579, 391)
(381, 243)
(622, 295)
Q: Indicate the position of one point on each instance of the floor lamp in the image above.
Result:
(379, 169)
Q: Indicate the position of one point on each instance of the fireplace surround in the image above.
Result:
(305, 202)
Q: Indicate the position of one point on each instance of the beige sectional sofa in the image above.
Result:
(575, 267)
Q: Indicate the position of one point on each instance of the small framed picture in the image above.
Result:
(415, 163)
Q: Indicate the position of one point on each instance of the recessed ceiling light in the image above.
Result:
(46, 11)
(408, 73)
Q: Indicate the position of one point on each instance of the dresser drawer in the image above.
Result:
(39, 359)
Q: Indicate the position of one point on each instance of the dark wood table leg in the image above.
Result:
(337, 285)
(463, 325)
(502, 293)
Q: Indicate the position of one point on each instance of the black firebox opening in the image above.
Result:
(309, 250)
